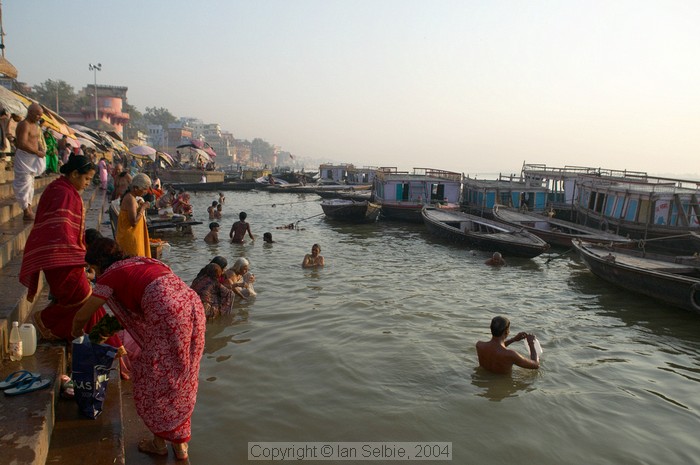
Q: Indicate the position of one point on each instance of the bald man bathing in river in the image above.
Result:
(494, 355)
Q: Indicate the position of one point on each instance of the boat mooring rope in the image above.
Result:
(287, 203)
(295, 225)
(558, 255)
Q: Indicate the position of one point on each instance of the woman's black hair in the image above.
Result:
(221, 261)
(92, 234)
(212, 270)
(79, 163)
(104, 252)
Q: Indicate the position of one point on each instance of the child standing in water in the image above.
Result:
(213, 236)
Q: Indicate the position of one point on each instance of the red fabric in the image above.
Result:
(131, 290)
(56, 240)
(166, 319)
(70, 288)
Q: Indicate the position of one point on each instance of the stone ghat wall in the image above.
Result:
(190, 176)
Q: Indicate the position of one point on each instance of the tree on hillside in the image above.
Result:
(136, 123)
(261, 151)
(159, 116)
(57, 95)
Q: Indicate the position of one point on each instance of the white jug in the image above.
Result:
(27, 333)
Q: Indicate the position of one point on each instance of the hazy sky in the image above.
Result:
(470, 86)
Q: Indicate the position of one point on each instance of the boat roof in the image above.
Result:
(503, 182)
(649, 184)
(421, 174)
(572, 171)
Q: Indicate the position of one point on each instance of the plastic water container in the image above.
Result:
(27, 333)
(538, 347)
(15, 343)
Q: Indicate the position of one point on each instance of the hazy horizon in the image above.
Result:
(468, 86)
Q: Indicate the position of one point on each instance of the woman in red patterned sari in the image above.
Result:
(166, 319)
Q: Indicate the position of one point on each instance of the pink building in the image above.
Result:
(110, 102)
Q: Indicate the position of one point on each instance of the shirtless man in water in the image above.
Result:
(239, 229)
(29, 158)
(314, 258)
(497, 358)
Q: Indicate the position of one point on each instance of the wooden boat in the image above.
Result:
(347, 194)
(482, 233)
(665, 210)
(214, 186)
(555, 232)
(402, 195)
(674, 280)
(154, 222)
(351, 210)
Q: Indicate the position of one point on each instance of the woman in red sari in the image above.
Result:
(166, 319)
(56, 246)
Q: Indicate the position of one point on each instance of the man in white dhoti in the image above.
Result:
(29, 158)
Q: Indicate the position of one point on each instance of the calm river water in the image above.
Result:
(379, 346)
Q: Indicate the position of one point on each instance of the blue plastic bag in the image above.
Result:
(91, 366)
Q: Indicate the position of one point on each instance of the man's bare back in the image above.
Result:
(494, 355)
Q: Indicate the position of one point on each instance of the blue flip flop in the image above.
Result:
(28, 385)
(17, 377)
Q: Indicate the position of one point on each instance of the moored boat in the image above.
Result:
(482, 233)
(553, 231)
(402, 195)
(650, 208)
(350, 210)
(674, 280)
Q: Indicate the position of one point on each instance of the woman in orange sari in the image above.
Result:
(132, 230)
(166, 319)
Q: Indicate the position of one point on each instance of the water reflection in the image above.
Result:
(498, 387)
(372, 345)
(218, 336)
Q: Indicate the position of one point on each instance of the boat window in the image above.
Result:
(402, 191)
(631, 212)
(437, 192)
(540, 200)
(591, 201)
(514, 200)
(490, 199)
(504, 198)
(643, 215)
(692, 210)
(599, 202)
(618, 207)
(609, 205)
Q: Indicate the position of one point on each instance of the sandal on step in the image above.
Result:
(147, 446)
(27, 385)
(13, 379)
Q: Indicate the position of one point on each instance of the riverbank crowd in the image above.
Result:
(162, 320)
